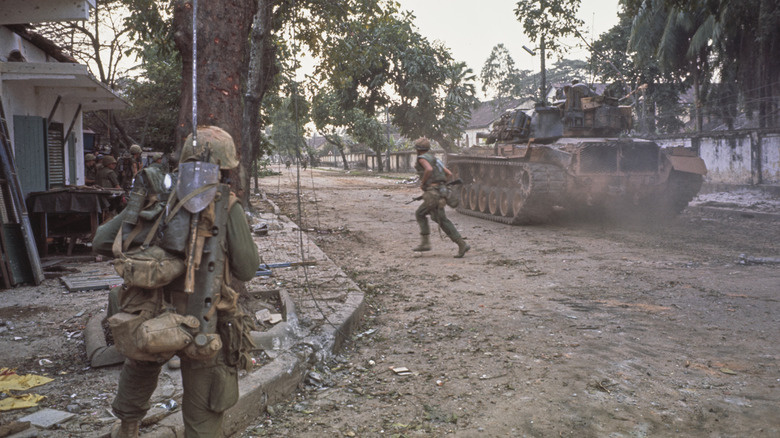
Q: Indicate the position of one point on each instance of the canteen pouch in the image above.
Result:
(206, 352)
(451, 196)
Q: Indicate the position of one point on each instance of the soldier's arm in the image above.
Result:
(103, 241)
(242, 251)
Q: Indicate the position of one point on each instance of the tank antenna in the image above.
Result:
(194, 76)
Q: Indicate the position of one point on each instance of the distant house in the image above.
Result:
(485, 114)
(44, 94)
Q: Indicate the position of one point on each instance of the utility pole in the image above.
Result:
(543, 86)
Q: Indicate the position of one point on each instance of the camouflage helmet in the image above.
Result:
(109, 159)
(217, 141)
(135, 149)
(422, 144)
(89, 157)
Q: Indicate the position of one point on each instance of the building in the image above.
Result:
(43, 96)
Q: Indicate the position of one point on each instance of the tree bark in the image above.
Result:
(223, 31)
(261, 69)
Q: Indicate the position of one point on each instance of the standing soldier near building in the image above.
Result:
(433, 178)
(219, 237)
(106, 176)
(136, 164)
(90, 171)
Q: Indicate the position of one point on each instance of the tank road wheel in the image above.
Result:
(474, 197)
(493, 200)
(464, 196)
(518, 201)
(505, 202)
(484, 193)
(520, 194)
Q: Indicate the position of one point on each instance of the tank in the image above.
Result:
(572, 156)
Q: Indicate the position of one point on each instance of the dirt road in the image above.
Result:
(579, 328)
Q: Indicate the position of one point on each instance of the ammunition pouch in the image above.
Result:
(146, 267)
(235, 330)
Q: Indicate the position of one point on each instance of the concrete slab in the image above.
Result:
(47, 418)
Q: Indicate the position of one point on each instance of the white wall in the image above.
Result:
(736, 158)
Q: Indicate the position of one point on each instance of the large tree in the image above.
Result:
(417, 82)
(548, 22)
(222, 54)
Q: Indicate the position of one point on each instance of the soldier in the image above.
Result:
(99, 162)
(106, 176)
(433, 177)
(210, 384)
(90, 171)
(136, 163)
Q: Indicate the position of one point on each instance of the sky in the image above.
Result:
(472, 28)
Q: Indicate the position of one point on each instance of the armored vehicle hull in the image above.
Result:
(572, 156)
(522, 184)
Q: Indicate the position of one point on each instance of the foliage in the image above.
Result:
(154, 101)
(101, 43)
(288, 120)
(423, 89)
(500, 76)
(549, 21)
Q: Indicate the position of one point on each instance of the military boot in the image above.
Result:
(425, 243)
(462, 248)
(125, 429)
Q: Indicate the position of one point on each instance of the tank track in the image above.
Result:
(682, 187)
(509, 191)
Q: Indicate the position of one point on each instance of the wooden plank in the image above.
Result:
(82, 282)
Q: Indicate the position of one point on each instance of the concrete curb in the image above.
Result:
(732, 213)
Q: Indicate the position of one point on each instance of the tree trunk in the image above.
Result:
(261, 69)
(223, 31)
(343, 157)
(445, 143)
(697, 97)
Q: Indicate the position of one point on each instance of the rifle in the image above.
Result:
(454, 182)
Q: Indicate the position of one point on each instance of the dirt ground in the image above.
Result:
(581, 327)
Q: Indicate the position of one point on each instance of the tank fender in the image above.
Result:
(688, 164)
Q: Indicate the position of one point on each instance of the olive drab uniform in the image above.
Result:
(434, 200)
(107, 177)
(210, 381)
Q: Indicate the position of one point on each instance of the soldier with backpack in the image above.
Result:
(433, 182)
(177, 251)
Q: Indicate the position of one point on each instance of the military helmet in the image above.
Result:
(109, 159)
(135, 149)
(422, 144)
(213, 142)
(89, 157)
